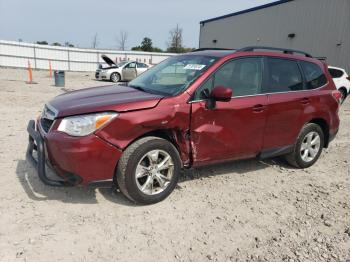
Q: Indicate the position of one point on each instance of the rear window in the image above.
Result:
(315, 77)
(284, 76)
(335, 73)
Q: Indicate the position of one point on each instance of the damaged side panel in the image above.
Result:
(170, 116)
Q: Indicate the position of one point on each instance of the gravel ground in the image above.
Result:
(241, 211)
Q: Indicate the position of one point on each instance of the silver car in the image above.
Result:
(123, 71)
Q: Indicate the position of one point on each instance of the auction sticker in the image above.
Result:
(194, 67)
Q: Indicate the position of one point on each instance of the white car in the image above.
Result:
(123, 71)
(341, 81)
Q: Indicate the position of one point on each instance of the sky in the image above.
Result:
(77, 21)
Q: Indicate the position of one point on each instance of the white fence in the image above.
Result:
(17, 54)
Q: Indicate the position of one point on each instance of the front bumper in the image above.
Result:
(36, 142)
(99, 75)
(76, 160)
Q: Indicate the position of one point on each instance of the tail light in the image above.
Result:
(337, 96)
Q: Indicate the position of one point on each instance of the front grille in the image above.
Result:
(46, 124)
(97, 74)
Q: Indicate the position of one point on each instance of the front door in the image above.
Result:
(129, 71)
(230, 130)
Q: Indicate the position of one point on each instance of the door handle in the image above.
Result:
(305, 101)
(259, 108)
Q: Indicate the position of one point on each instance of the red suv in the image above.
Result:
(191, 110)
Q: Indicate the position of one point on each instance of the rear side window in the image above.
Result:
(284, 76)
(335, 73)
(315, 77)
(141, 65)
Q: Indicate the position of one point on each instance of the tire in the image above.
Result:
(115, 77)
(139, 175)
(343, 95)
(300, 158)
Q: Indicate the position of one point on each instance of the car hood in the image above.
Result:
(99, 99)
(108, 60)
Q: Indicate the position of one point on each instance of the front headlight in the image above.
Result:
(84, 125)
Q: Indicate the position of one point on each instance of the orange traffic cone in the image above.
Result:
(30, 74)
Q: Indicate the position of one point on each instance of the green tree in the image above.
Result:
(147, 44)
(136, 48)
(157, 49)
(56, 44)
(68, 44)
(42, 42)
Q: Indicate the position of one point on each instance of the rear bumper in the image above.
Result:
(76, 160)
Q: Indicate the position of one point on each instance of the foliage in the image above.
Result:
(42, 42)
(146, 46)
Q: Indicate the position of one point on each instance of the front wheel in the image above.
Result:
(148, 170)
(308, 147)
(115, 77)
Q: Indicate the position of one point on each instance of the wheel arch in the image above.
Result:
(325, 128)
(115, 72)
(343, 88)
(166, 134)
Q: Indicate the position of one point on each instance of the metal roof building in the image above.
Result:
(319, 27)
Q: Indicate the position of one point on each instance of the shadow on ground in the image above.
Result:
(38, 191)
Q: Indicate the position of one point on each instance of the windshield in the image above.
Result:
(173, 75)
(121, 64)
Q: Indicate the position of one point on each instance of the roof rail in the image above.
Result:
(322, 58)
(284, 50)
(213, 49)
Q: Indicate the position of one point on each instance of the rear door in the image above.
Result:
(286, 100)
(235, 129)
(141, 67)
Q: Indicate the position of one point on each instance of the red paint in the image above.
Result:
(235, 128)
(222, 94)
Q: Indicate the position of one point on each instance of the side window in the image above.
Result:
(243, 76)
(335, 73)
(141, 65)
(315, 77)
(284, 76)
(131, 65)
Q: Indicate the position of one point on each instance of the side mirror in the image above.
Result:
(221, 94)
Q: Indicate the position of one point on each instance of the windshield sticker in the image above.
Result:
(194, 67)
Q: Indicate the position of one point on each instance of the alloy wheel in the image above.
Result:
(310, 146)
(154, 172)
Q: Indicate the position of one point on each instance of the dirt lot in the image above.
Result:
(241, 211)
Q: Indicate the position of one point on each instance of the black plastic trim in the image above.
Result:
(284, 50)
(269, 153)
(40, 164)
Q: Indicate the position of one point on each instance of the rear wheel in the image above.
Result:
(148, 170)
(308, 147)
(115, 77)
